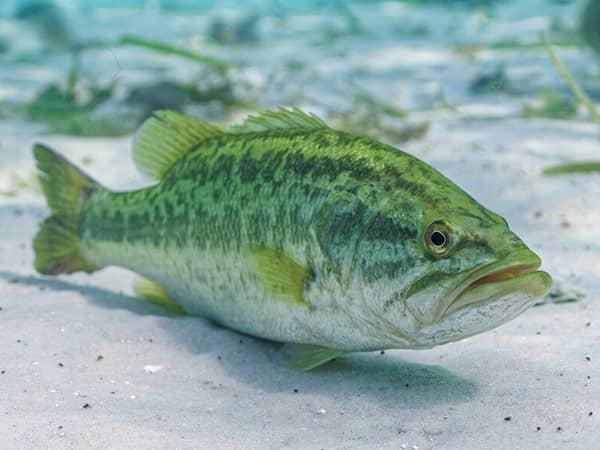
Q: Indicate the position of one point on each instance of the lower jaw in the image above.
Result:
(478, 318)
(530, 284)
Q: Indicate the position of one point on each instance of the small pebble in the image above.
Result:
(152, 369)
(99, 358)
(508, 418)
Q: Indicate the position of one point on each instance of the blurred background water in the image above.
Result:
(98, 68)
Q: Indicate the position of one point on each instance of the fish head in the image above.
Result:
(433, 275)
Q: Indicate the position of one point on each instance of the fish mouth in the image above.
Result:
(514, 273)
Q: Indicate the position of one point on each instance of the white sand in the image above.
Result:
(154, 381)
(217, 389)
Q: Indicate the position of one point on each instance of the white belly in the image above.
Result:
(223, 288)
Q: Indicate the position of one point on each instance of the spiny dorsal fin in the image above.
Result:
(166, 137)
(279, 120)
(283, 277)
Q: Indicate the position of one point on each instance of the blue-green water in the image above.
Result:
(99, 68)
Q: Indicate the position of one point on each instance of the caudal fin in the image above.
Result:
(66, 188)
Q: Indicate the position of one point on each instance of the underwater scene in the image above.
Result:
(312, 224)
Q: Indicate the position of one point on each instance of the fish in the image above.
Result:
(288, 230)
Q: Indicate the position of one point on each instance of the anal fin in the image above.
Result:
(306, 357)
(155, 294)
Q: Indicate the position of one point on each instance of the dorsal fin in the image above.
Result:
(166, 137)
(279, 120)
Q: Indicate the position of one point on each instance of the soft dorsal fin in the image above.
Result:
(166, 137)
(279, 120)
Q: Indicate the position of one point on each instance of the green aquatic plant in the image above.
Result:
(474, 49)
(571, 81)
(561, 292)
(578, 167)
(552, 105)
(161, 47)
(216, 83)
(71, 109)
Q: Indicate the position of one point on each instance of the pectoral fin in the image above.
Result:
(154, 293)
(306, 357)
(284, 277)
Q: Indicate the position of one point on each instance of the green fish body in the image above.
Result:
(288, 230)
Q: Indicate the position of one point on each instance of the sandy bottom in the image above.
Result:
(84, 364)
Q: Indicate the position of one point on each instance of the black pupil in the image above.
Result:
(438, 238)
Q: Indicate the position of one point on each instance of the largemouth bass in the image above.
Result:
(288, 230)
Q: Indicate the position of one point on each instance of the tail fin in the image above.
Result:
(66, 188)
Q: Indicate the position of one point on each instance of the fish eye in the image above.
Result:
(438, 238)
